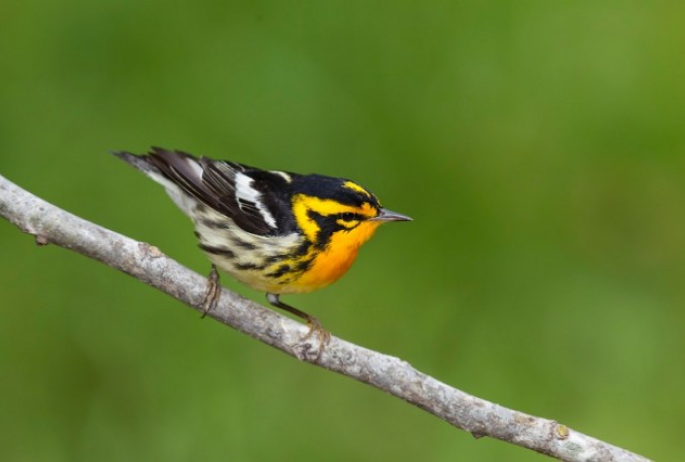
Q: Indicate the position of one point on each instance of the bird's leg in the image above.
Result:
(213, 293)
(314, 324)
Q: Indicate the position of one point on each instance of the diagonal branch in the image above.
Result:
(50, 224)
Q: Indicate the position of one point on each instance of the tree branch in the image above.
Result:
(50, 224)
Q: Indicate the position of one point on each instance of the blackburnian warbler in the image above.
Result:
(275, 231)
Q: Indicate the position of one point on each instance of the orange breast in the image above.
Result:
(339, 255)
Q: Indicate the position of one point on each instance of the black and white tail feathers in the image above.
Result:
(226, 187)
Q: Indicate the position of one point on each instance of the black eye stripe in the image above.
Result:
(349, 216)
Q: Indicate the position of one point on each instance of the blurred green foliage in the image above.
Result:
(540, 147)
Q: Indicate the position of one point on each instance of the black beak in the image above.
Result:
(388, 215)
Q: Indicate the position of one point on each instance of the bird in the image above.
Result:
(277, 232)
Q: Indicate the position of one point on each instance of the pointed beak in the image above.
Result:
(388, 215)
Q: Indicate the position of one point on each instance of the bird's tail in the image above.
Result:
(178, 172)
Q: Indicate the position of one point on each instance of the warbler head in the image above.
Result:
(335, 209)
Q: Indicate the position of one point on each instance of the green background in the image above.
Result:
(538, 145)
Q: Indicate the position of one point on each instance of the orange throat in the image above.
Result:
(336, 259)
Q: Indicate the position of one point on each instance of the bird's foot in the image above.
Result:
(316, 329)
(213, 293)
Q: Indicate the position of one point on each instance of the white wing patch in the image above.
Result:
(245, 192)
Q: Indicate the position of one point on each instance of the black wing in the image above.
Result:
(235, 190)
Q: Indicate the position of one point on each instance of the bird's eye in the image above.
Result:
(349, 216)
